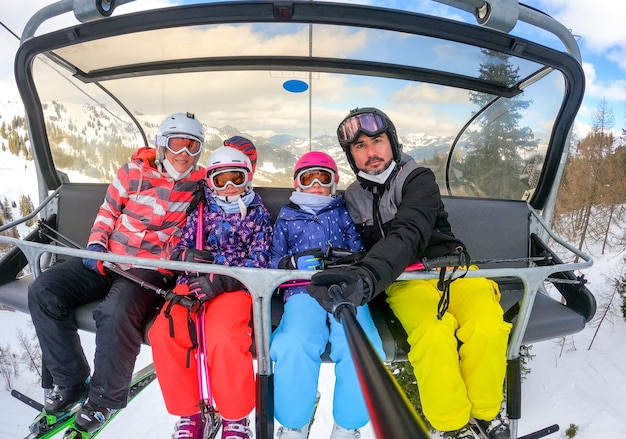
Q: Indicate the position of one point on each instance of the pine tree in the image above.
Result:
(14, 143)
(497, 139)
(26, 208)
(6, 209)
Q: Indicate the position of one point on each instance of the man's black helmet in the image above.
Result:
(371, 122)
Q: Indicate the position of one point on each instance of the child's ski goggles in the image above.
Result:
(308, 177)
(371, 124)
(223, 177)
(178, 143)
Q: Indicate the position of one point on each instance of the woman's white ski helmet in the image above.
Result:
(183, 125)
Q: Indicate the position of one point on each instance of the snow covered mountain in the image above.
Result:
(100, 130)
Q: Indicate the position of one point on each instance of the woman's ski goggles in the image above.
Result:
(223, 177)
(308, 177)
(178, 143)
(371, 124)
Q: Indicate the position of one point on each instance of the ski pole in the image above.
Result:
(390, 410)
(210, 416)
(204, 384)
(187, 302)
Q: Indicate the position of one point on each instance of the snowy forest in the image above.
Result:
(591, 204)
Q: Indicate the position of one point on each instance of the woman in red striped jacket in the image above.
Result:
(142, 214)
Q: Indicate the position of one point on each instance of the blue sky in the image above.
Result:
(600, 27)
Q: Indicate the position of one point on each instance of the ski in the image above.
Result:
(479, 433)
(46, 426)
(317, 403)
(541, 433)
(212, 421)
(27, 400)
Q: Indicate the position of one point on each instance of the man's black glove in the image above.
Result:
(211, 285)
(306, 260)
(356, 282)
(192, 255)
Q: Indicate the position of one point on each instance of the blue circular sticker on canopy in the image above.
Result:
(295, 86)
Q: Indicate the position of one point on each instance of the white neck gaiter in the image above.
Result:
(172, 172)
(379, 178)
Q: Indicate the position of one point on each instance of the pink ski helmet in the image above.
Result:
(319, 160)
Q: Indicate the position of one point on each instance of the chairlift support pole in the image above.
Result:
(503, 15)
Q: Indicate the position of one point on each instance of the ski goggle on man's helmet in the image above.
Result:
(370, 124)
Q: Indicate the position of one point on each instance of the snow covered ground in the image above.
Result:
(574, 384)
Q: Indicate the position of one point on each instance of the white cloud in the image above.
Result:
(600, 26)
(598, 88)
(600, 23)
(618, 55)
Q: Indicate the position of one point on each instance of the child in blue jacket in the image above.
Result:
(314, 220)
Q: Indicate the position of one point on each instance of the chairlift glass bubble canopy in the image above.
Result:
(447, 85)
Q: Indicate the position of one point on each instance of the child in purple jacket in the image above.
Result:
(235, 230)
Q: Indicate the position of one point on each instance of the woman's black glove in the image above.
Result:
(356, 282)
